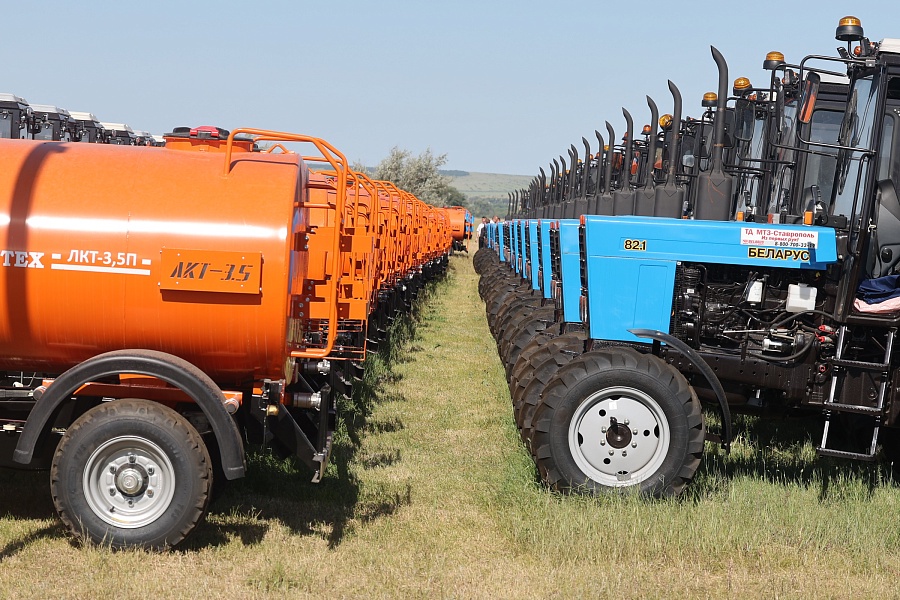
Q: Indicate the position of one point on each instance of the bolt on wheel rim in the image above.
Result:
(619, 436)
(128, 482)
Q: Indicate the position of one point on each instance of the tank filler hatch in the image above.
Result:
(206, 138)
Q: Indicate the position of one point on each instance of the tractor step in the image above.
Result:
(852, 408)
(842, 454)
(860, 364)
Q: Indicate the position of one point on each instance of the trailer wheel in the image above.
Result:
(131, 473)
(618, 419)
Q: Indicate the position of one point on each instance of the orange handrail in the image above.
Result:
(339, 162)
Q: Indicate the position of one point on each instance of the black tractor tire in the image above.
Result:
(131, 473)
(521, 365)
(618, 419)
(493, 280)
(515, 314)
(545, 366)
(521, 333)
(505, 300)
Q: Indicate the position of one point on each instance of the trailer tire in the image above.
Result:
(574, 431)
(131, 473)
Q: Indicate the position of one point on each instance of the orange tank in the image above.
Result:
(457, 216)
(195, 253)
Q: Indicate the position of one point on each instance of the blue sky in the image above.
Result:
(499, 86)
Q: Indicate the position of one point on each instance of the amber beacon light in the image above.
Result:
(849, 29)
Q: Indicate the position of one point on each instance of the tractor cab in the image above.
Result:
(51, 123)
(14, 113)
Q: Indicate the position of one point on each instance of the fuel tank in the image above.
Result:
(110, 247)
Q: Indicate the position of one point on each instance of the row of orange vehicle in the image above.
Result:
(163, 306)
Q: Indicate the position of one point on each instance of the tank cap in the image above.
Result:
(204, 132)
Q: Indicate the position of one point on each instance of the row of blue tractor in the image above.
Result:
(745, 261)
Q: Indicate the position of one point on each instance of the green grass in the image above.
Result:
(432, 495)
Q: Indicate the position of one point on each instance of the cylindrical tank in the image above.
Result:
(457, 216)
(111, 247)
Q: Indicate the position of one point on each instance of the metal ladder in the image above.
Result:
(831, 406)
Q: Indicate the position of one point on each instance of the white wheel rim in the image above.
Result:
(129, 482)
(603, 452)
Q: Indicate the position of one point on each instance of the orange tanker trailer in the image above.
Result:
(157, 299)
(461, 225)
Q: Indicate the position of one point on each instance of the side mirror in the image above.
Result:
(810, 93)
(744, 119)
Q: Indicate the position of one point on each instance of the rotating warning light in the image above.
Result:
(741, 85)
(773, 60)
(849, 29)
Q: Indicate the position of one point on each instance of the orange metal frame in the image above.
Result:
(338, 162)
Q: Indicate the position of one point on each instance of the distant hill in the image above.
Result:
(486, 193)
(487, 185)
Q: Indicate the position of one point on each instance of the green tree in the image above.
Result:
(455, 197)
(419, 175)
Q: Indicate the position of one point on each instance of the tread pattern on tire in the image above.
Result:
(159, 415)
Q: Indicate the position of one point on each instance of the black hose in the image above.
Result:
(793, 316)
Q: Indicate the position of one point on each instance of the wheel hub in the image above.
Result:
(131, 480)
(128, 482)
(618, 436)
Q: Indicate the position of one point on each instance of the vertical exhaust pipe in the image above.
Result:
(554, 189)
(670, 196)
(532, 198)
(623, 198)
(594, 202)
(563, 185)
(581, 202)
(542, 204)
(573, 181)
(605, 203)
(586, 170)
(714, 187)
(644, 204)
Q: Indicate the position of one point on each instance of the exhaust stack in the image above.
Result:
(605, 202)
(670, 196)
(714, 187)
(623, 198)
(646, 195)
